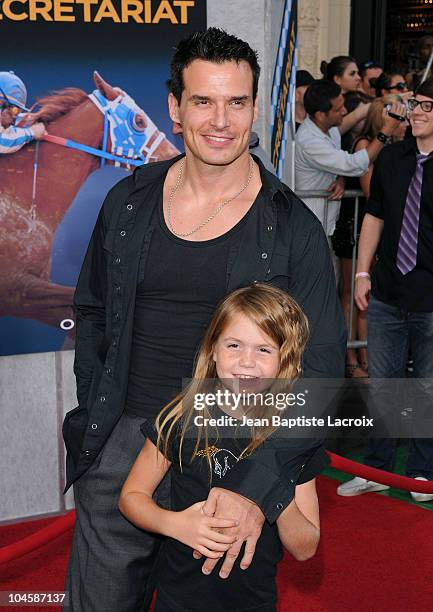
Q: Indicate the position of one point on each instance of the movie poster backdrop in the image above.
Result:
(50, 193)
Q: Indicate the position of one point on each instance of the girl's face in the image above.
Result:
(350, 79)
(243, 351)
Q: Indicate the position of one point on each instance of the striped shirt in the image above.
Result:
(13, 138)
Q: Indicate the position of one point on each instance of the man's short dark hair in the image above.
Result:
(211, 45)
(368, 65)
(426, 88)
(319, 96)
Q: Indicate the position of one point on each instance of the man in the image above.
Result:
(13, 97)
(170, 242)
(319, 160)
(399, 296)
(369, 71)
(303, 81)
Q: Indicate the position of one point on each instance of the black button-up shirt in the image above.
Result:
(286, 247)
(392, 174)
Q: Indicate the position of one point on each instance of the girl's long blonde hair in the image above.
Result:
(277, 315)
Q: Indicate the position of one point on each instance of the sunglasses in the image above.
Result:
(401, 86)
(426, 105)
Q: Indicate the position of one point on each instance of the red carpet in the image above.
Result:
(375, 554)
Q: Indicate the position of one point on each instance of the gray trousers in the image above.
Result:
(113, 564)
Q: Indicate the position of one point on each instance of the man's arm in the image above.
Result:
(369, 239)
(89, 305)
(371, 232)
(322, 156)
(351, 119)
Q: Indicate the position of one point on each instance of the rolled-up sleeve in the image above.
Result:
(270, 475)
(322, 156)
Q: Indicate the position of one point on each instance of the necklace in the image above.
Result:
(216, 211)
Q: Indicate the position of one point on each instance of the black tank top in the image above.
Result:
(183, 283)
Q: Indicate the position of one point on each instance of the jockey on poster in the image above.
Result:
(13, 97)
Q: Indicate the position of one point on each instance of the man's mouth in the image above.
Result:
(217, 138)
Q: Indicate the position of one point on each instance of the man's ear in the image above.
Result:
(173, 108)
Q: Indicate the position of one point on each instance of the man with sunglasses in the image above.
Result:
(399, 297)
(13, 97)
(369, 71)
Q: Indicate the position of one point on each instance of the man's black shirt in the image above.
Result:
(283, 245)
(392, 174)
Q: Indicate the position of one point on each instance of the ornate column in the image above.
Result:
(324, 29)
(308, 35)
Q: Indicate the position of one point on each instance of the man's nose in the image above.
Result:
(220, 117)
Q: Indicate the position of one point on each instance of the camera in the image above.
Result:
(394, 115)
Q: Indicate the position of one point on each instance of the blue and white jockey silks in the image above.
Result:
(13, 138)
(127, 137)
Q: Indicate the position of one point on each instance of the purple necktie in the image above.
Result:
(408, 243)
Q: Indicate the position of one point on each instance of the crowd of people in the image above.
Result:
(364, 128)
(368, 92)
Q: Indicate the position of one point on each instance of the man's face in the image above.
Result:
(421, 121)
(216, 110)
(334, 116)
(370, 73)
(8, 115)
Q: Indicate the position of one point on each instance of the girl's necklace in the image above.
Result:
(219, 208)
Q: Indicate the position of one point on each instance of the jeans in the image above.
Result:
(391, 333)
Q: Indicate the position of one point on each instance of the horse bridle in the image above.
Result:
(118, 130)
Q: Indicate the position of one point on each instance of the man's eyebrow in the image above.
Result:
(198, 98)
(241, 98)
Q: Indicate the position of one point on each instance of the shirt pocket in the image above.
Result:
(108, 245)
(278, 272)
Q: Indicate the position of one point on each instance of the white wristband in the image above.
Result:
(362, 275)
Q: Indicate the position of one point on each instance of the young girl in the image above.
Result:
(257, 334)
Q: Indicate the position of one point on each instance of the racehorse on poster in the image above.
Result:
(39, 183)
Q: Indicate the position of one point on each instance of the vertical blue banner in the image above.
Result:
(283, 87)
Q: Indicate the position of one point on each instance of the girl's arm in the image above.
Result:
(190, 526)
(299, 524)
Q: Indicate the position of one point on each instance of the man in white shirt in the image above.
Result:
(319, 160)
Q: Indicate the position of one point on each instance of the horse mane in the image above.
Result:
(56, 104)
